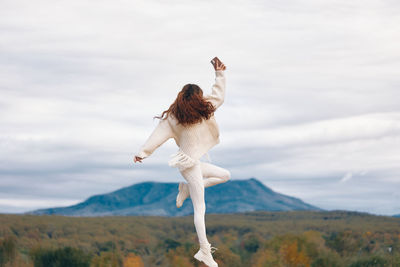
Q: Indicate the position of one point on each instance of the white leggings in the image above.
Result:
(194, 176)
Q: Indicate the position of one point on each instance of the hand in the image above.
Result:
(218, 65)
(137, 159)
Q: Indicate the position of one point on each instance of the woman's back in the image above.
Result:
(194, 139)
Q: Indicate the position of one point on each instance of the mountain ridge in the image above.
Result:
(158, 199)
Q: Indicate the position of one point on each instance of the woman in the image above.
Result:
(190, 121)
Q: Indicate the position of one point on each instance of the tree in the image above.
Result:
(293, 255)
(133, 260)
(7, 250)
(61, 257)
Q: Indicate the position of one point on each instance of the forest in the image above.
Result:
(259, 239)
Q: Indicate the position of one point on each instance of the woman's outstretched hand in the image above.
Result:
(137, 159)
(218, 65)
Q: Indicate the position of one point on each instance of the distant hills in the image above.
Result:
(398, 215)
(158, 199)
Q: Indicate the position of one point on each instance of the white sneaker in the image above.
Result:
(183, 194)
(204, 255)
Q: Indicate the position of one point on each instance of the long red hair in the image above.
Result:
(189, 106)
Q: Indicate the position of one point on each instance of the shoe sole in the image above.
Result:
(196, 257)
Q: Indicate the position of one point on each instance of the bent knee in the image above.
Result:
(227, 175)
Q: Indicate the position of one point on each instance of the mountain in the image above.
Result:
(398, 215)
(155, 198)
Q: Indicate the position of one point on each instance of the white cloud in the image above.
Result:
(366, 126)
(34, 203)
(346, 177)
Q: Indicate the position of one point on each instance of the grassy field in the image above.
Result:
(296, 238)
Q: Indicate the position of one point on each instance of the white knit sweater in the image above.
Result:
(194, 140)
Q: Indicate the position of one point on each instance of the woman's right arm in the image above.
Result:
(218, 89)
(158, 137)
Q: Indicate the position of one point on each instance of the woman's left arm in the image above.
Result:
(158, 137)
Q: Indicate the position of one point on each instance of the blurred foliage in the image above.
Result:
(260, 239)
(132, 260)
(7, 250)
(107, 259)
(374, 261)
(61, 257)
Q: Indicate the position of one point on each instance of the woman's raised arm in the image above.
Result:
(218, 89)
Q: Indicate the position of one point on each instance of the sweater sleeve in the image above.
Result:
(159, 136)
(218, 89)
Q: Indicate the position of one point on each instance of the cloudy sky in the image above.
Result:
(312, 105)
